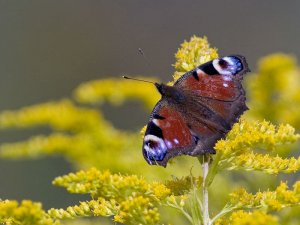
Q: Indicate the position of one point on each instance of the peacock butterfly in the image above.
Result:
(199, 109)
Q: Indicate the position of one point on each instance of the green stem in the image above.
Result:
(213, 169)
(205, 160)
(189, 218)
(196, 208)
(225, 210)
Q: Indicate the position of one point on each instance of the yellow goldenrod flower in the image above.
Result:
(269, 200)
(137, 210)
(62, 115)
(194, 53)
(266, 163)
(25, 213)
(116, 91)
(249, 218)
(107, 185)
(130, 199)
(99, 207)
(236, 151)
(274, 90)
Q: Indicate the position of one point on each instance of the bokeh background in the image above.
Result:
(47, 48)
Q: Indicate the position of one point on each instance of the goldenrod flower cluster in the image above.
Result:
(25, 213)
(237, 151)
(274, 90)
(130, 199)
(62, 115)
(266, 163)
(268, 200)
(81, 134)
(97, 207)
(249, 218)
(192, 54)
(116, 91)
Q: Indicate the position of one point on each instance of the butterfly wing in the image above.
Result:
(214, 100)
(217, 85)
(215, 89)
(167, 135)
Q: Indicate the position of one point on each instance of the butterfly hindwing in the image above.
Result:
(166, 134)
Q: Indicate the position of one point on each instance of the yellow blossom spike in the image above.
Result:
(116, 91)
(91, 148)
(99, 207)
(25, 213)
(130, 199)
(248, 218)
(194, 53)
(269, 200)
(246, 136)
(274, 91)
(104, 184)
(61, 115)
(137, 210)
(82, 135)
(267, 163)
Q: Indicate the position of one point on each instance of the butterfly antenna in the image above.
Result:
(148, 64)
(146, 81)
(144, 55)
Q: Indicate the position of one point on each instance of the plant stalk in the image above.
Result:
(206, 219)
(205, 211)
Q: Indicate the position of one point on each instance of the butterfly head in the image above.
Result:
(170, 92)
(230, 65)
(160, 88)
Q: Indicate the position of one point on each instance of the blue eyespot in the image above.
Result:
(155, 150)
(234, 64)
(229, 65)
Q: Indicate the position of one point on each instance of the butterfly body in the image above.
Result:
(199, 109)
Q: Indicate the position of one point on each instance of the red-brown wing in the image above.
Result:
(167, 135)
(217, 85)
(210, 86)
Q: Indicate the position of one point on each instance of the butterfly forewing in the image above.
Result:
(218, 87)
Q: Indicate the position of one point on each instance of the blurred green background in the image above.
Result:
(47, 48)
